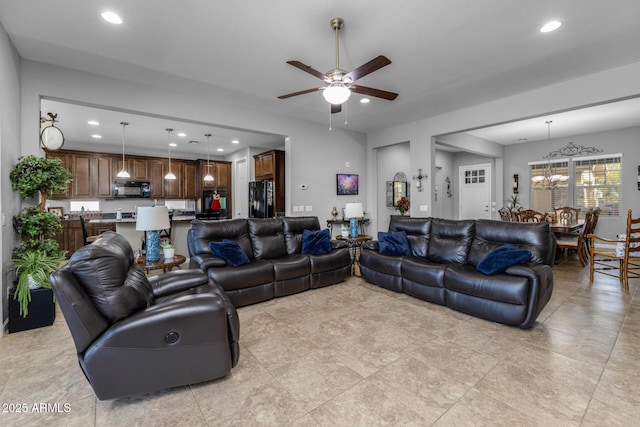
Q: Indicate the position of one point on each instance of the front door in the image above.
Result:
(475, 192)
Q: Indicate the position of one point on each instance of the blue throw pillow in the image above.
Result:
(230, 252)
(394, 244)
(316, 242)
(500, 259)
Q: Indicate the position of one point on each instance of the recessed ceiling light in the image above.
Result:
(194, 142)
(112, 18)
(220, 149)
(550, 26)
(93, 123)
(365, 101)
(235, 141)
(173, 144)
(96, 136)
(522, 139)
(182, 134)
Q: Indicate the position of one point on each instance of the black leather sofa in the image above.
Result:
(136, 335)
(277, 265)
(442, 267)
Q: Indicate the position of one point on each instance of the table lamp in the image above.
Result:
(151, 219)
(353, 211)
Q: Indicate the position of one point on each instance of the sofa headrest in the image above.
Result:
(417, 229)
(203, 232)
(267, 238)
(293, 228)
(534, 237)
(450, 240)
(107, 272)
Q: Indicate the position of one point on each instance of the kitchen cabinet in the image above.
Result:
(137, 168)
(156, 170)
(70, 238)
(221, 172)
(82, 169)
(189, 180)
(104, 174)
(65, 157)
(173, 187)
(265, 164)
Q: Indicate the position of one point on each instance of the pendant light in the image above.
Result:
(123, 173)
(208, 177)
(169, 174)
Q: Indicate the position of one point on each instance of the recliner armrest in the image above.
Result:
(338, 244)
(206, 261)
(370, 245)
(176, 281)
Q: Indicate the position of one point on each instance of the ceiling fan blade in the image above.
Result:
(368, 68)
(308, 69)
(302, 92)
(336, 108)
(378, 93)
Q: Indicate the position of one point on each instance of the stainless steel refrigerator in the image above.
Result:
(261, 199)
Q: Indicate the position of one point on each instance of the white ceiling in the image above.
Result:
(445, 55)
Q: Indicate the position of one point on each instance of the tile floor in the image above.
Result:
(356, 355)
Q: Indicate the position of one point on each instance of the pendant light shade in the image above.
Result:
(208, 177)
(169, 174)
(123, 173)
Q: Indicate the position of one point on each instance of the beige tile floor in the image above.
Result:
(356, 355)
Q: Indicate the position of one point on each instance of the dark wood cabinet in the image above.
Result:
(189, 186)
(156, 172)
(270, 165)
(82, 169)
(104, 174)
(137, 168)
(66, 163)
(70, 238)
(221, 172)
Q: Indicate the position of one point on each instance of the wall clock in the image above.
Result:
(51, 137)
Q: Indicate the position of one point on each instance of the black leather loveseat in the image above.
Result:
(441, 266)
(276, 265)
(135, 335)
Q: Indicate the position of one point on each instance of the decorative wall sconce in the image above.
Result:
(515, 183)
(449, 192)
(418, 178)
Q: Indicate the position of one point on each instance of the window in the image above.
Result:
(84, 206)
(549, 185)
(598, 183)
(584, 183)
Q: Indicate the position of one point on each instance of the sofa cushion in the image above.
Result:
(316, 242)
(230, 252)
(115, 283)
(293, 229)
(394, 244)
(502, 258)
(267, 238)
(450, 240)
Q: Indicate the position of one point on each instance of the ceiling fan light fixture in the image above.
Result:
(336, 93)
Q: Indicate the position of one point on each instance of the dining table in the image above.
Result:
(566, 227)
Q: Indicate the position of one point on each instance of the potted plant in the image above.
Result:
(38, 254)
(168, 249)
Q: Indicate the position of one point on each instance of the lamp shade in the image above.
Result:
(353, 210)
(337, 93)
(151, 218)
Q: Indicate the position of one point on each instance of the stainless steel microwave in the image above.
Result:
(139, 189)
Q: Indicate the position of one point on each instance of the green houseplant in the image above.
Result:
(38, 254)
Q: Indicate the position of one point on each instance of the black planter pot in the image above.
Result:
(42, 311)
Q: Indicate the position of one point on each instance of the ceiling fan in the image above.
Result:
(339, 83)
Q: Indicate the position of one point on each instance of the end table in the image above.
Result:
(354, 244)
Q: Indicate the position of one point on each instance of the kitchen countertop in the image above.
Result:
(133, 220)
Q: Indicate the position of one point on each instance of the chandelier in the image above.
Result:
(549, 179)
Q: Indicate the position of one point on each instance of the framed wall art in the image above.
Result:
(57, 211)
(346, 184)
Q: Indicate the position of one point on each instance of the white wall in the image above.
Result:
(314, 153)
(600, 87)
(10, 151)
(391, 160)
(444, 207)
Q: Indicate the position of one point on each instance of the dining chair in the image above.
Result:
(86, 239)
(578, 243)
(567, 214)
(505, 215)
(617, 257)
(530, 215)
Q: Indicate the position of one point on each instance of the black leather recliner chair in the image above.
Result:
(135, 334)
